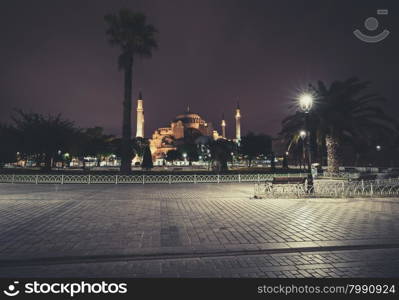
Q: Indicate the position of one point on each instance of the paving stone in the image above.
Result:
(60, 221)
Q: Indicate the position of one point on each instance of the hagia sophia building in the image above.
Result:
(184, 125)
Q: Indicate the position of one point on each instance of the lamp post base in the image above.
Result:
(310, 187)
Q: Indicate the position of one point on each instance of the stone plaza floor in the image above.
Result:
(192, 230)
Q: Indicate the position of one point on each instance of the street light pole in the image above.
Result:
(307, 142)
(306, 103)
(303, 134)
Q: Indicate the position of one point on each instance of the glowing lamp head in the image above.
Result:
(302, 134)
(306, 102)
(378, 148)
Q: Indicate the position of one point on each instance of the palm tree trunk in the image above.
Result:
(333, 159)
(126, 157)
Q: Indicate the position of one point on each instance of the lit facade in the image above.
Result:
(165, 139)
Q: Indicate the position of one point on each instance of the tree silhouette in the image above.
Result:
(173, 155)
(130, 32)
(9, 144)
(190, 150)
(147, 159)
(254, 145)
(96, 143)
(44, 136)
(220, 151)
(344, 113)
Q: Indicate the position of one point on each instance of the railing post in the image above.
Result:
(258, 178)
(116, 179)
(195, 178)
(362, 182)
(170, 179)
(371, 189)
(218, 178)
(89, 181)
(13, 178)
(62, 179)
(343, 187)
(239, 177)
(36, 178)
(143, 179)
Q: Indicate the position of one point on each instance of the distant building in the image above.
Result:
(185, 125)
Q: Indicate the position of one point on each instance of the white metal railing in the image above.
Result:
(140, 179)
(331, 189)
(168, 179)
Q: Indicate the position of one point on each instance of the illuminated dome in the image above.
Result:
(188, 118)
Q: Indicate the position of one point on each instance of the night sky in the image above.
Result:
(54, 58)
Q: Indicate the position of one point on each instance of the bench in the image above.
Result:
(283, 186)
(288, 180)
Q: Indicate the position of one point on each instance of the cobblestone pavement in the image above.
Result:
(354, 263)
(73, 223)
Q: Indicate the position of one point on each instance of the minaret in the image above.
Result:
(238, 123)
(140, 116)
(223, 127)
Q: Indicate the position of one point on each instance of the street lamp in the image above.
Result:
(305, 103)
(185, 157)
(302, 135)
(378, 149)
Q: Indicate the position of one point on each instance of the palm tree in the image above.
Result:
(130, 32)
(342, 113)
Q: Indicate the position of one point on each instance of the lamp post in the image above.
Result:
(378, 149)
(285, 160)
(302, 134)
(305, 104)
(185, 158)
